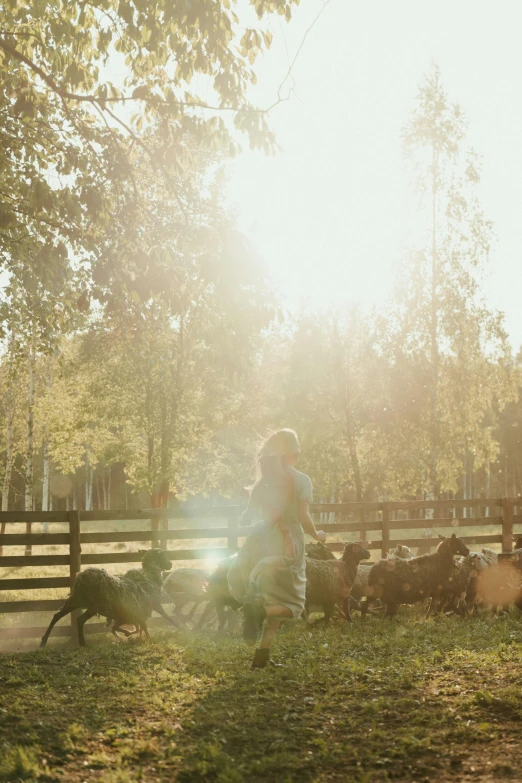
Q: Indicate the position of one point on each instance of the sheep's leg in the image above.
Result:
(80, 622)
(194, 608)
(354, 604)
(346, 608)
(206, 612)
(439, 605)
(366, 605)
(161, 611)
(116, 631)
(431, 603)
(391, 610)
(232, 620)
(66, 609)
(222, 618)
(181, 601)
(328, 609)
(328, 612)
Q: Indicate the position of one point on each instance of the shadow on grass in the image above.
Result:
(388, 701)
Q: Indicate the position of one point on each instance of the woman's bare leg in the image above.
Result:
(270, 627)
(275, 613)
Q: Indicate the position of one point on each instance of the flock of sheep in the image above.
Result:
(451, 579)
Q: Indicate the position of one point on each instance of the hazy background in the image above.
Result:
(334, 211)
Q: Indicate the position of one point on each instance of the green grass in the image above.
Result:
(406, 700)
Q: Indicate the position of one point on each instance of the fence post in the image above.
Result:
(507, 524)
(385, 543)
(163, 527)
(233, 539)
(75, 564)
(362, 534)
(154, 527)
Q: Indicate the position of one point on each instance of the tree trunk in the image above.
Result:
(160, 495)
(434, 345)
(100, 480)
(109, 487)
(29, 468)
(46, 482)
(488, 486)
(9, 449)
(88, 484)
(9, 453)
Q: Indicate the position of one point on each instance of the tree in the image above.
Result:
(67, 139)
(442, 323)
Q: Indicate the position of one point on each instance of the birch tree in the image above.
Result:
(442, 320)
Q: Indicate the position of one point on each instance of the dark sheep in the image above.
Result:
(184, 585)
(329, 582)
(319, 551)
(126, 600)
(316, 550)
(219, 596)
(399, 581)
(459, 589)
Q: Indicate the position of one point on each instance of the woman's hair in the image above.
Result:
(280, 443)
(274, 487)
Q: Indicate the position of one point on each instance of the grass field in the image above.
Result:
(403, 700)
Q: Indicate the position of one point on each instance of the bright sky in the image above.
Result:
(333, 212)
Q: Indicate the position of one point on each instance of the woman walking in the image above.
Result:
(268, 576)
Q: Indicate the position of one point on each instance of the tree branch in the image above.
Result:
(291, 66)
(11, 50)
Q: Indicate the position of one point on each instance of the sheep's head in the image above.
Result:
(452, 545)
(379, 574)
(319, 551)
(156, 557)
(403, 552)
(355, 552)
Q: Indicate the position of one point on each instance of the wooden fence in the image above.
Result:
(380, 520)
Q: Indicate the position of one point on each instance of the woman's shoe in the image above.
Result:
(262, 659)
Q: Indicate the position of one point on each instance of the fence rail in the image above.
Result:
(377, 531)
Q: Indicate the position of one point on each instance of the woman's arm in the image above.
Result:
(249, 512)
(307, 522)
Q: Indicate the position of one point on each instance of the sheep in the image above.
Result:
(185, 585)
(126, 600)
(219, 596)
(501, 584)
(489, 556)
(402, 551)
(459, 588)
(410, 581)
(319, 551)
(360, 586)
(329, 582)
